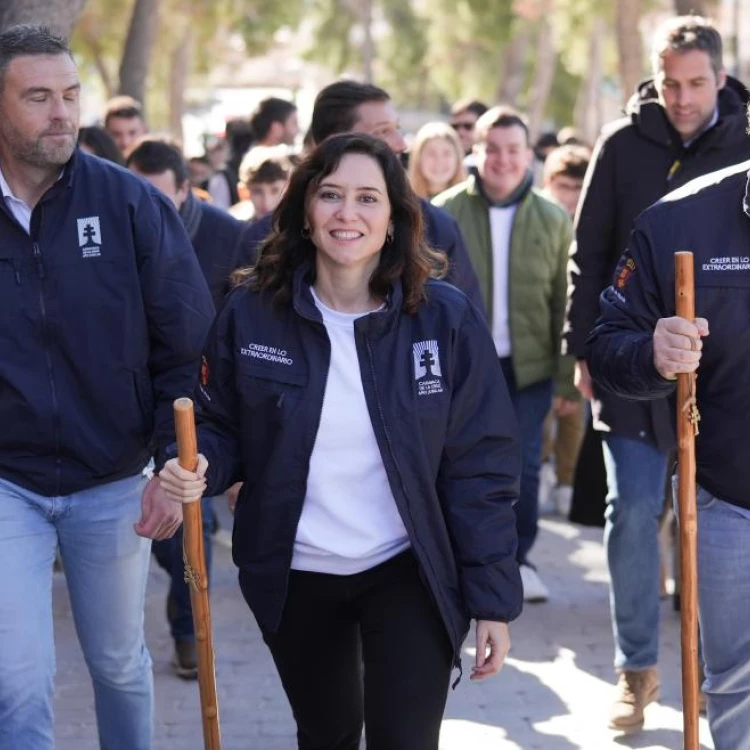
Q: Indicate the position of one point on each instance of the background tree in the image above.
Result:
(59, 15)
(629, 45)
(139, 43)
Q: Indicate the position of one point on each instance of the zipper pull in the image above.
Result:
(38, 258)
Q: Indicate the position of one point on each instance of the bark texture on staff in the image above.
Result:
(687, 416)
(197, 578)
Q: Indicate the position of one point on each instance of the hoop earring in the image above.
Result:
(305, 232)
(389, 237)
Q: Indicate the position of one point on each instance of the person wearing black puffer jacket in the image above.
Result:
(688, 121)
(364, 408)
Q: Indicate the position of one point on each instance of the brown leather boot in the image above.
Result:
(635, 690)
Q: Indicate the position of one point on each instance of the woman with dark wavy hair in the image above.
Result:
(361, 403)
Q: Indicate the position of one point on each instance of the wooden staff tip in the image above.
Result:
(183, 404)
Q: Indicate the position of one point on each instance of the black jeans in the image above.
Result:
(368, 647)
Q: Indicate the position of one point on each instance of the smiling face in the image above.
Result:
(39, 110)
(438, 163)
(688, 88)
(503, 159)
(348, 215)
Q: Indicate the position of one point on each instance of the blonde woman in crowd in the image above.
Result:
(436, 160)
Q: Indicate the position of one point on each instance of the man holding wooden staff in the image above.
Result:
(104, 313)
(687, 121)
(638, 347)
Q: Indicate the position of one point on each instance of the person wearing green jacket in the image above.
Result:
(518, 242)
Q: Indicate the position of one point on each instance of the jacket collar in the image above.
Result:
(474, 189)
(374, 324)
(648, 115)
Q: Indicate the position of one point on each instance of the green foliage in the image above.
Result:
(426, 52)
(258, 20)
(561, 106)
(333, 22)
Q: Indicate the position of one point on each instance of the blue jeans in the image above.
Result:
(168, 554)
(106, 567)
(724, 613)
(636, 483)
(531, 405)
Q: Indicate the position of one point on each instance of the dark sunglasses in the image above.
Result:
(462, 125)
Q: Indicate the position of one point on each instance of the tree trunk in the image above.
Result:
(514, 67)
(58, 15)
(138, 46)
(588, 111)
(629, 46)
(368, 47)
(544, 72)
(178, 76)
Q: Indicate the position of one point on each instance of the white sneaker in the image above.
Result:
(563, 499)
(534, 591)
(547, 482)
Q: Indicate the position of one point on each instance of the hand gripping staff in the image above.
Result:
(687, 429)
(197, 579)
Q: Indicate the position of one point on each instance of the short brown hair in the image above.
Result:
(474, 106)
(122, 106)
(404, 258)
(266, 164)
(501, 116)
(567, 161)
(685, 33)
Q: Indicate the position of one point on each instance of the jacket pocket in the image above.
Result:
(270, 394)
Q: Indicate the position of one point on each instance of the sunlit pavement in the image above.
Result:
(553, 694)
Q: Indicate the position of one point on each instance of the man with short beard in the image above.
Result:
(97, 339)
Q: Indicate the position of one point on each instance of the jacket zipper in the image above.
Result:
(279, 403)
(50, 372)
(392, 454)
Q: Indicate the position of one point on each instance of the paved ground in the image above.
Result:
(553, 694)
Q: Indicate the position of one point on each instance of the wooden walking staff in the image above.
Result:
(197, 578)
(687, 429)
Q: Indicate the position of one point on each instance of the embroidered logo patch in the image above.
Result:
(625, 273)
(427, 370)
(90, 237)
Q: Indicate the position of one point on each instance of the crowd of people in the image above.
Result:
(402, 354)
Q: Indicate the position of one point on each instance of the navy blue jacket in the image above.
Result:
(441, 233)
(105, 311)
(447, 436)
(637, 161)
(217, 239)
(711, 218)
